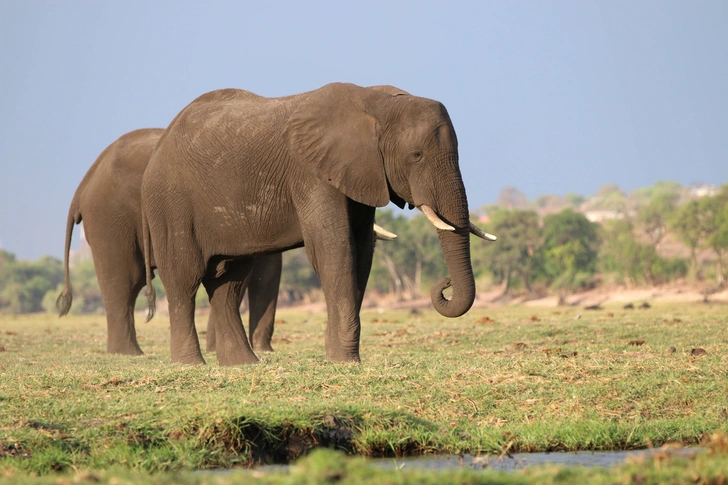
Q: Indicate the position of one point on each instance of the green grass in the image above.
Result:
(496, 380)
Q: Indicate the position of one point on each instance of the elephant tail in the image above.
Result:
(63, 303)
(151, 294)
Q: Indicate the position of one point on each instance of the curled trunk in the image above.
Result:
(456, 248)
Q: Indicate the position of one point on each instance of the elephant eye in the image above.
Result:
(416, 155)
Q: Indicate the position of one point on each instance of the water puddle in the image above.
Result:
(516, 461)
(519, 461)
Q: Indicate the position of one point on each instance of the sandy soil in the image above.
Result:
(633, 295)
(493, 298)
(598, 296)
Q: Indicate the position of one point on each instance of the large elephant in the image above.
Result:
(108, 200)
(237, 175)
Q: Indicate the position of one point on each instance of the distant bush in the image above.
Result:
(23, 284)
(665, 270)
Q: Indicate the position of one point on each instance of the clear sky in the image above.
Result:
(550, 97)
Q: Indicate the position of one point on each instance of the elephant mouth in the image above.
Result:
(436, 221)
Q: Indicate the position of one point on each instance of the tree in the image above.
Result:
(631, 261)
(575, 200)
(518, 240)
(511, 198)
(551, 203)
(609, 197)
(687, 226)
(656, 207)
(569, 253)
(403, 266)
(621, 254)
(714, 224)
(665, 189)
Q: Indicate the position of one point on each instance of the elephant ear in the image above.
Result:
(391, 90)
(335, 139)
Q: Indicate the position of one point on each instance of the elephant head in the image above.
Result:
(380, 144)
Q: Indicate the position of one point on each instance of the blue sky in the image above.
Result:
(550, 97)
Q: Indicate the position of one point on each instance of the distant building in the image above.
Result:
(700, 191)
(600, 216)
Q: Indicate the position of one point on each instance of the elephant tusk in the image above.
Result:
(481, 234)
(384, 234)
(434, 219)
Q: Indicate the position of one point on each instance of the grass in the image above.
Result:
(494, 381)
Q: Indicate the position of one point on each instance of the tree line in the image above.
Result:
(546, 245)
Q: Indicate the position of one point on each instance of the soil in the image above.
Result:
(592, 298)
(494, 298)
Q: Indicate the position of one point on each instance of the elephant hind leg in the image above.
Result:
(122, 338)
(184, 345)
(181, 288)
(226, 292)
(211, 335)
(265, 280)
(120, 275)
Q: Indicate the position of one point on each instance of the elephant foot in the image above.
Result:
(262, 347)
(343, 357)
(126, 349)
(237, 359)
(189, 359)
(210, 347)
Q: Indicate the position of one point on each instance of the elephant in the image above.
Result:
(237, 175)
(108, 200)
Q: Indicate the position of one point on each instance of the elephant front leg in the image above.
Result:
(334, 262)
(226, 292)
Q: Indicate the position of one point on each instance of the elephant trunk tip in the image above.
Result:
(452, 308)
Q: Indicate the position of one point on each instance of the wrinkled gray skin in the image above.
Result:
(240, 175)
(108, 200)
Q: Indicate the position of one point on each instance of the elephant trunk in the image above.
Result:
(455, 243)
(456, 248)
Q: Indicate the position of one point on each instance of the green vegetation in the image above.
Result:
(497, 380)
(713, 216)
(568, 256)
(519, 237)
(23, 284)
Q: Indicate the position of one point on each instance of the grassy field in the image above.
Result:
(495, 381)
